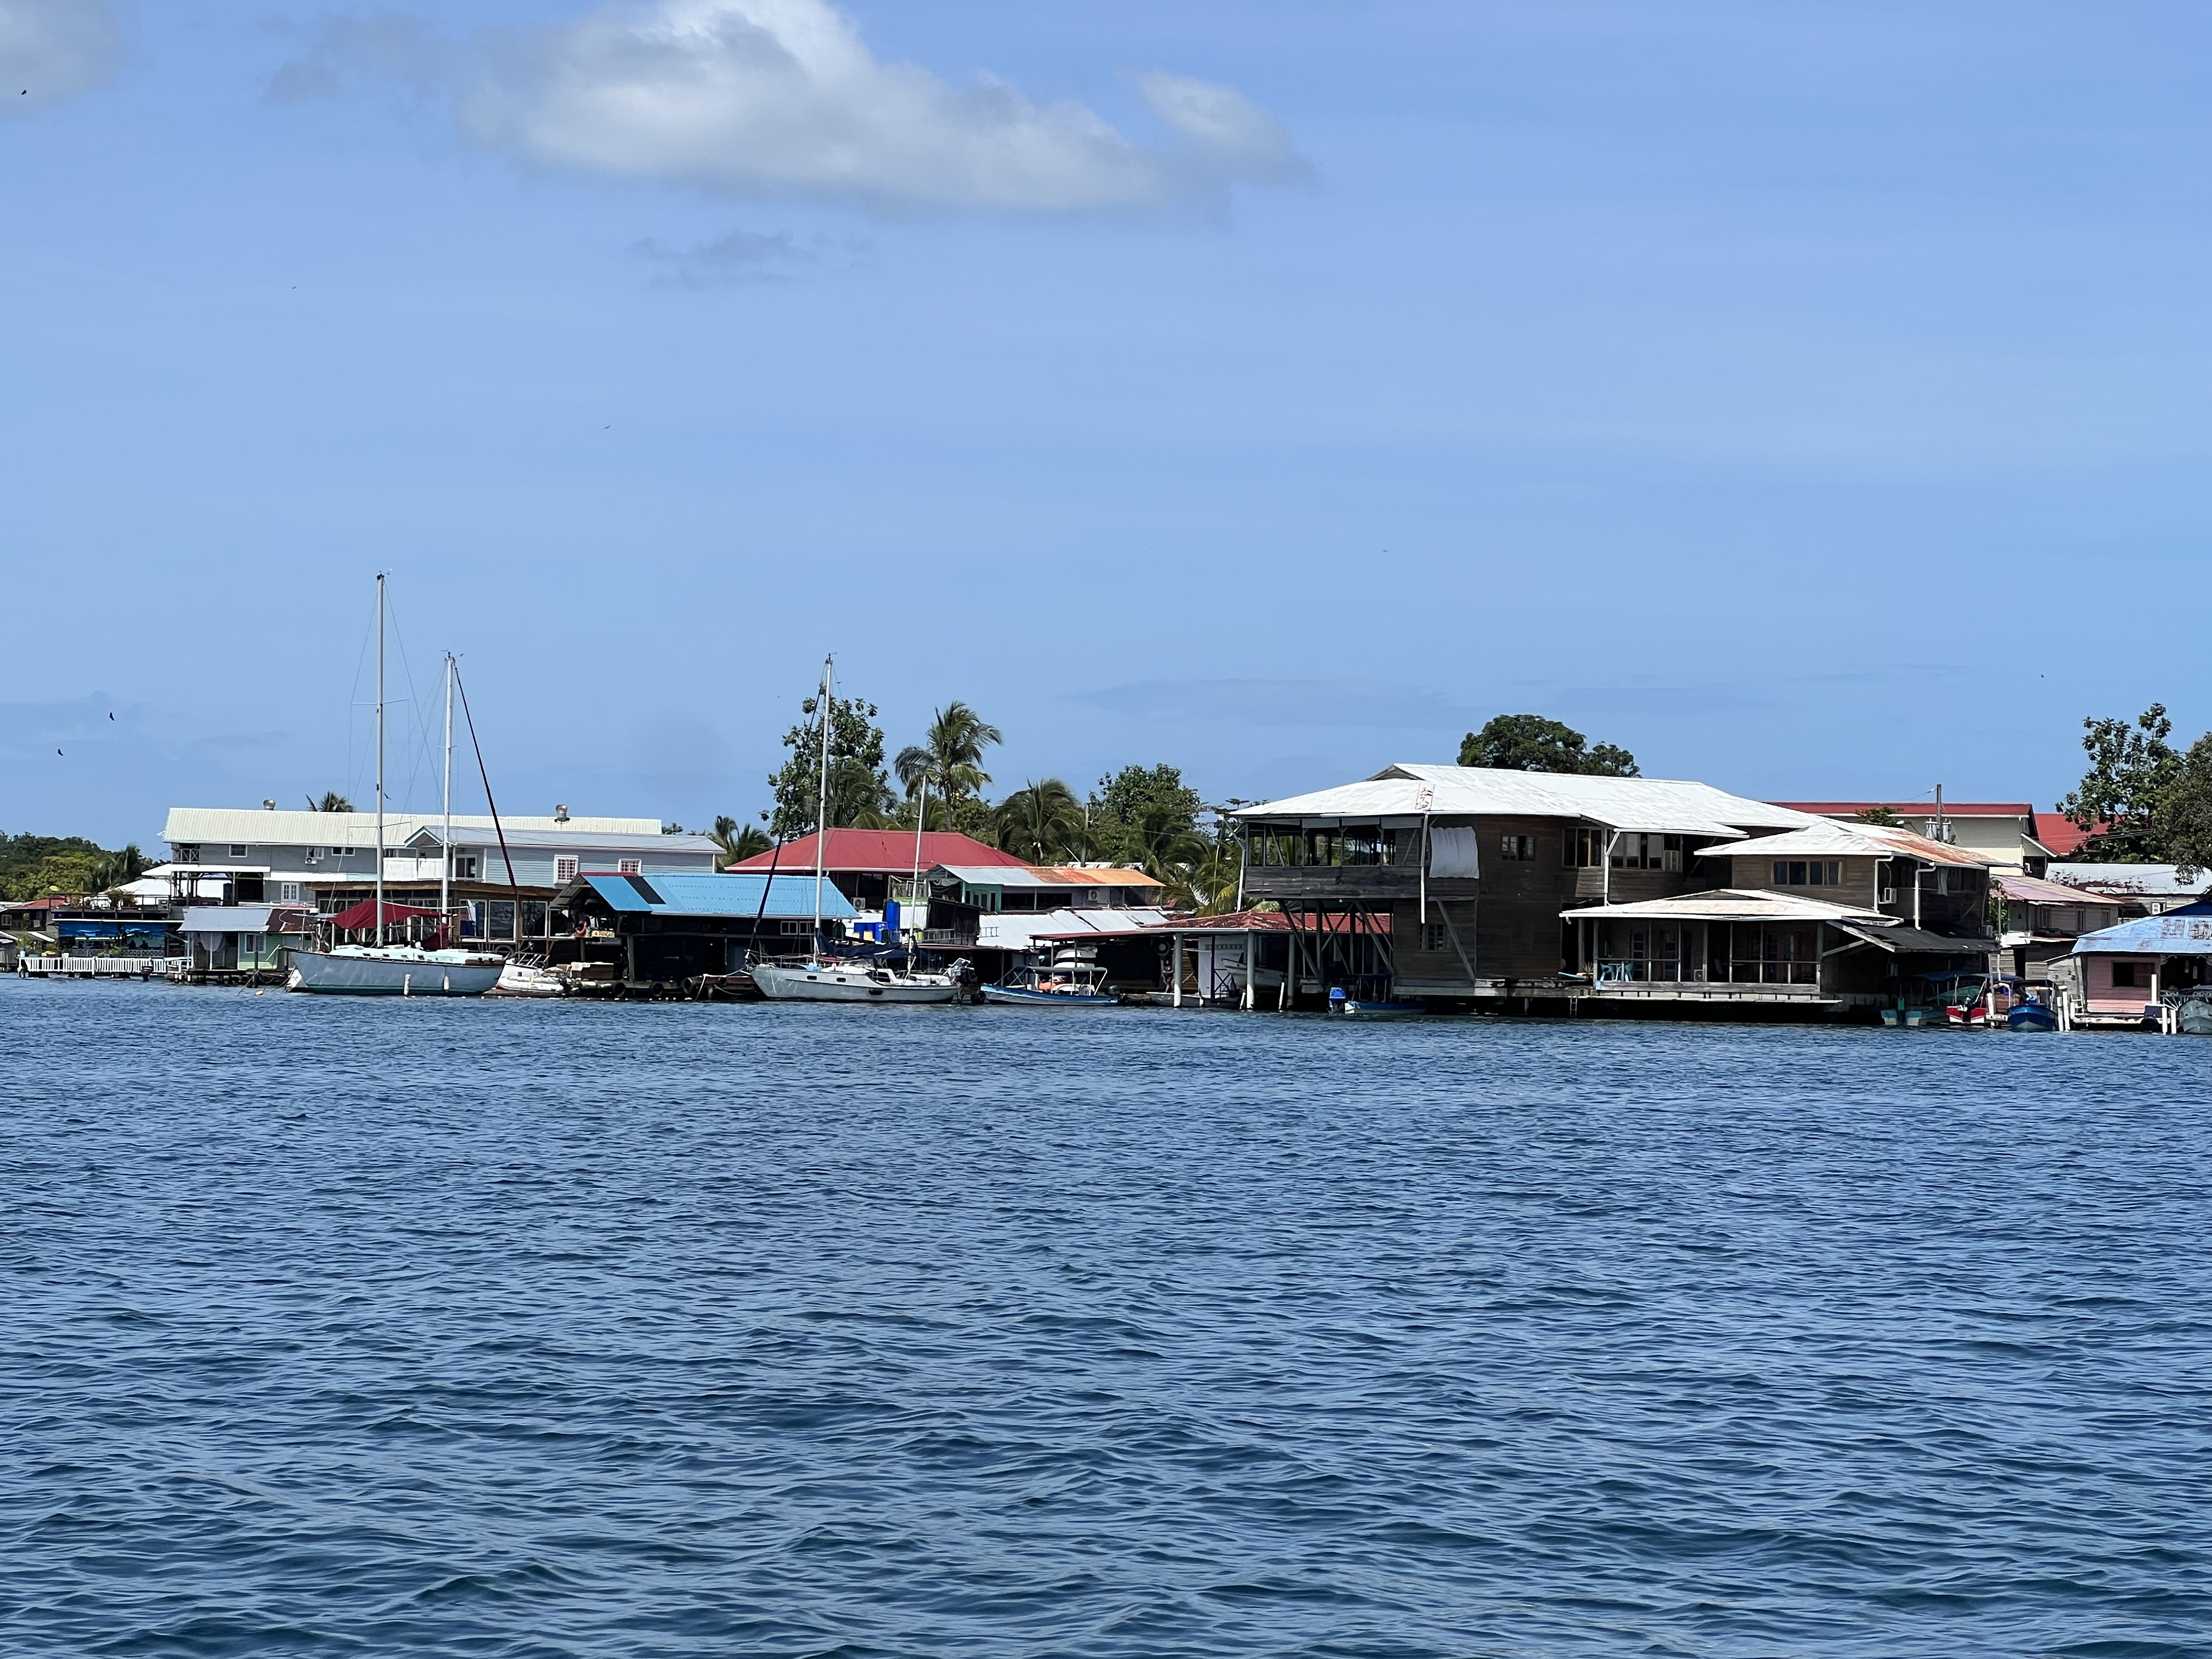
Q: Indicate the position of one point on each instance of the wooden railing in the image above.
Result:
(101, 967)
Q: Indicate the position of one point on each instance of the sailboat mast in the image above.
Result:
(822, 809)
(446, 866)
(920, 817)
(380, 757)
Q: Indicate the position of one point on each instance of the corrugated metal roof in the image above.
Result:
(697, 894)
(2026, 890)
(247, 918)
(2059, 835)
(2151, 936)
(1661, 805)
(1914, 809)
(1272, 921)
(1918, 942)
(881, 853)
(1725, 904)
(1019, 876)
(1827, 838)
(2131, 880)
(563, 841)
(1017, 930)
(246, 826)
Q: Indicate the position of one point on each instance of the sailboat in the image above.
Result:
(388, 970)
(825, 978)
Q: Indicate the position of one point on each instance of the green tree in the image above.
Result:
(2121, 797)
(2185, 811)
(1882, 815)
(950, 756)
(332, 802)
(1139, 814)
(738, 841)
(1041, 822)
(40, 866)
(859, 790)
(1531, 743)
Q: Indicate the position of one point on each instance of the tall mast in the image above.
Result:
(920, 816)
(380, 757)
(821, 810)
(446, 866)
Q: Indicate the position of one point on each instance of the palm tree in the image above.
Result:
(1043, 822)
(333, 802)
(950, 756)
(737, 843)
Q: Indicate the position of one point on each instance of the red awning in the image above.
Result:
(363, 914)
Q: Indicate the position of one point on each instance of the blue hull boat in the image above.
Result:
(2032, 1016)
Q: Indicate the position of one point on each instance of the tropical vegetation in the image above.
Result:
(1532, 742)
(2142, 800)
(46, 866)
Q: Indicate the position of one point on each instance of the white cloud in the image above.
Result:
(783, 99)
(52, 50)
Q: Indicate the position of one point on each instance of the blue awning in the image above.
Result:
(697, 894)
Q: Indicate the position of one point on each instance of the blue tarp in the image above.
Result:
(694, 894)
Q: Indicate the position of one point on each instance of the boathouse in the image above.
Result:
(664, 933)
(2122, 975)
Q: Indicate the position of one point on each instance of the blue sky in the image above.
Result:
(1814, 400)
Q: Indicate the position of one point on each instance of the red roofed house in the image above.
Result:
(2005, 830)
(863, 863)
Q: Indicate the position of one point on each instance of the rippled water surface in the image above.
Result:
(339, 1326)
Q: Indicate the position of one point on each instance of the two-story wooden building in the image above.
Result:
(1536, 889)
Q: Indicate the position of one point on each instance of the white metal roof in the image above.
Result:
(1730, 905)
(1667, 805)
(2131, 880)
(1017, 930)
(1827, 838)
(244, 826)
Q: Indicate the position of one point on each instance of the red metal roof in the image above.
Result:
(879, 853)
(1915, 809)
(2060, 834)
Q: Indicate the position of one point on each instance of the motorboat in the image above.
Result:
(2194, 1016)
(530, 979)
(2032, 1015)
(395, 970)
(840, 979)
(1072, 984)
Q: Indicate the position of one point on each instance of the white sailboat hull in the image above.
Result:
(831, 983)
(371, 975)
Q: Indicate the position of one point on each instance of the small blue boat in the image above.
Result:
(1072, 985)
(2032, 1016)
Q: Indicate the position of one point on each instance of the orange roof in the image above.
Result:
(1074, 875)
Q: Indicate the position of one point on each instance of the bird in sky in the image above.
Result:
(58, 752)
(111, 714)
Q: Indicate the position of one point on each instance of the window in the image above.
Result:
(237, 851)
(1799, 872)
(1583, 849)
(1434, 938)
(1635, 850)
(288, 892)
(533, 918)
(310, 856)
(1516, 846)
(499, 918)
(2124, 975)
(564, 868)
(464, 867)
(187, 854)
(630, 867)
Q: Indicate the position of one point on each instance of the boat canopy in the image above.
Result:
(363, 914)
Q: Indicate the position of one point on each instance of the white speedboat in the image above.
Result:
(828, 980)
(526, 979)
(393, 970)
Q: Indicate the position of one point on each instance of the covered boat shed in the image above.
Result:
(2120, 976)
(664, 931)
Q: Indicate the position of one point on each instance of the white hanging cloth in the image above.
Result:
(1452, 852)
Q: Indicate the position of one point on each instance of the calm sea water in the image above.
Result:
(333, 1327)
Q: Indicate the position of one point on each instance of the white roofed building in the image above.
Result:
(1510, 887)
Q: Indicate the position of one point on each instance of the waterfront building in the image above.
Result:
(2122, 975)
(664, 933)
(863, 863)
(2040, 920)
(998, 914)
(1466, 886)
(327, 861)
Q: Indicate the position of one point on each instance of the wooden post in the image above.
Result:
(1251, 970)
(1175, 1000)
